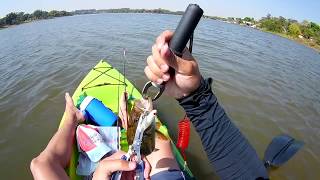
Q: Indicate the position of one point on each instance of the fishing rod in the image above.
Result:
(124, 58)
(124, 68)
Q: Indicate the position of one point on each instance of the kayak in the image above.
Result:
(107, 84)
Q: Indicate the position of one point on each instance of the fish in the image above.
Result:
(148, 139)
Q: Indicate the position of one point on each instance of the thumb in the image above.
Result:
(106, 168)
(69, 101)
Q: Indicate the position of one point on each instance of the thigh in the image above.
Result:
(162, 158)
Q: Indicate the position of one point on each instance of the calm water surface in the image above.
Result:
(268, 85)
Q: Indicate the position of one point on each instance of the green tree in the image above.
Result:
(239, 20)
(291, 21)
(294, 30)
(305, 23)
(248, 19)
(53, 13)
(272, 25)
(39, 14)
(307, 32)
(21, 17)
(27, 17)
(11, 18)
(314, 27)
(284, 23)
(2, 22)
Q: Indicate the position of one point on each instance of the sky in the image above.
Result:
(294, 9)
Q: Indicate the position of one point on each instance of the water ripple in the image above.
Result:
(268, 84)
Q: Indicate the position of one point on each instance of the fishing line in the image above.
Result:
(125, 87)
(124, 68)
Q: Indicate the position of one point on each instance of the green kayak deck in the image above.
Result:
(106, 84)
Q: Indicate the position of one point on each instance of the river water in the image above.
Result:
(267, 84)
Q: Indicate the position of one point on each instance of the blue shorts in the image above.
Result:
(169, 174)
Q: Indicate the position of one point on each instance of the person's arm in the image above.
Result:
(55, 157)
(229, 152)
(53, 160)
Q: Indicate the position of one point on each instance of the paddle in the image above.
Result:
(280, 150)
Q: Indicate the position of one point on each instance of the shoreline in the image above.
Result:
(306, 42)
(25, 22)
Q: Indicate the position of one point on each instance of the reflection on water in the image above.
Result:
(268, 85)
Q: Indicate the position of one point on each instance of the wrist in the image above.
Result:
(203, 87)
(194, 88)
(197, 82)
(71, 120)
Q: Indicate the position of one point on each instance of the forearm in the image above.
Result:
(228, 151)
(55, 157)
(60, 146)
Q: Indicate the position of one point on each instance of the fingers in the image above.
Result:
(69, 101)
(72, 111)
(161, 50)
(114, 156)
(151, 76)
(163, 62)
(147, 168)
(119, 165)
(80, 116)
(164, 37)
(154, 67)
(107, 167)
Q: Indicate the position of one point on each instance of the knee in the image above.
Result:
(37, 163)
(34, 165)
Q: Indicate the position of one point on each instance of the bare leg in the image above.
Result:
(162, 158)
(51, 162)
(123, 110)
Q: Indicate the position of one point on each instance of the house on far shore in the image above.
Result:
(254, 26)
(248, 23)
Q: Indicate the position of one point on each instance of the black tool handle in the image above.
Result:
(184, 31)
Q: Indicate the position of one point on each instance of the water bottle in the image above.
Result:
(95, 111)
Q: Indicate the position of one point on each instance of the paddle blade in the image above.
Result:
(280, 150)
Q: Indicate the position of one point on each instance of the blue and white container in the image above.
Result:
(96, 111)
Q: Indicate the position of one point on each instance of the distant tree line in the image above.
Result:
(127, 10)
(291, 27)
(233, 19)
(15, 18)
